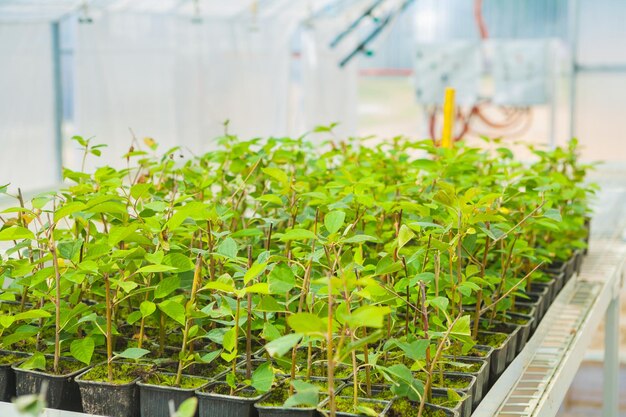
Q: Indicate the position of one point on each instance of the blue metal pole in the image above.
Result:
(58, 98)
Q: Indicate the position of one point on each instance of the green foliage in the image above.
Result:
(355, 252)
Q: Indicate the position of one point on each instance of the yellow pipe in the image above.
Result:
(448, 118)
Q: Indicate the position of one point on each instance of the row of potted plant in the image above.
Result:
(283, 277)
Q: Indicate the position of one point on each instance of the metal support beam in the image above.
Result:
(58, 98)
(611, 360)
(573, 28)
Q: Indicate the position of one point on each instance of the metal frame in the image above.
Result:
(536, 383)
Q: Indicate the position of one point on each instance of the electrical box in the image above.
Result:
(522, 72)
(451, 64)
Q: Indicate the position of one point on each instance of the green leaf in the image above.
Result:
(366, 411)
(282, 345)
(147, 308)
(37, 361)
(151, 269)
(179, 261)
(298, 234)
(439, 302)
(187, 408)
(258, 288)
(361, 239)
(82, 349)
(133, 353)
(307, 323)
(120, 233)
(210, 357)
(553, 214)
(229, 342)
(6, 320)
(255, 270)
(271, 198)
(16, 233)
(68, 249)
(228, 248)
(415, 350)
(263, 377)
(167, 286)
(461, 327)
(138, 190)
(281, 279)
(277, 174)
(174, 310)
(334, 220)
(68, 209)
(133, 317)
(404, 236)
(405, 385)
(368, 316)
(31, 314)
(306, 394)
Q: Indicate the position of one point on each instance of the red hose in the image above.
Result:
(478, 15)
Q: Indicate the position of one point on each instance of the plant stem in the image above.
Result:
(57, 303)
(237, 312)
(479, 295)
(329, 347)
(191, 304)
(249, 325)
(109, 336)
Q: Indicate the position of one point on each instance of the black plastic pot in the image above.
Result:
(579, 257)
(588, 234)
(7, 376)
(523, 332)
(415, 405)
(471, 390)
(532, 312)
(154, 399)
(550, 293)
(63, 392)
(218, 405)
(539, 295)
(498, 360)
(463, 407)
(271, 411)
(482, 377)
(559, 281)
(513, 331)
(108, 399)
(570, 267)
(360, 400)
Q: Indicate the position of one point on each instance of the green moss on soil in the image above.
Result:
(66, 366)
(522, 309)
(375, 378)
(346, 405)
(277, 398)
(405, 408)
(224, 389)
(10, 358)
(516, 320)
(186, 382)
(494, 340)
(321, 370)
(449, 381)
(472, 368)
(123, 373)
(457, 350)
(443, 401)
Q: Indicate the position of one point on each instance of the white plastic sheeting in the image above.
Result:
(27, 129)
(329, 93)
(176, 81)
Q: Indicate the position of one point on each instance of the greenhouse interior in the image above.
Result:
(265, 208)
